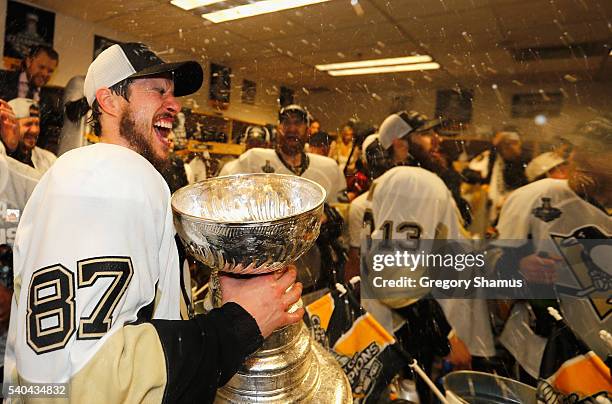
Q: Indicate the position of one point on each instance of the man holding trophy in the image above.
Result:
(97, 281)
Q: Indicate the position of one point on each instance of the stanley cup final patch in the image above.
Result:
(547, 212)
(267, 168)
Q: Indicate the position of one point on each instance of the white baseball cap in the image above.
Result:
(393, 127)
(24, 108)
(135, 60)
(542, 164)
(398, 125)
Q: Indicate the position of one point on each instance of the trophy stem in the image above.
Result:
(289, 367)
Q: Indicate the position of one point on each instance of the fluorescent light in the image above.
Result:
(257, 8)
(191, 4)
(376, 62)
(385, 69)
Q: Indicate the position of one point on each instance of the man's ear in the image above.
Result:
(397, 141)
(109, 102)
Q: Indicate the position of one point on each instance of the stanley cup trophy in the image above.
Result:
(256, 224)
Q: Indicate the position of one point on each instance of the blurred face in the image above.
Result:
(423, 147)
(510, 149)
(401, 150)
(146, 122)
(292, 134)
(429, 142)
(347, 134)
(593, 171)
(9, 127)
(40, 68)
(315, 127)
(560, 172)
(29, 129)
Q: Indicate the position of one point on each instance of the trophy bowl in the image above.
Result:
(249, 223)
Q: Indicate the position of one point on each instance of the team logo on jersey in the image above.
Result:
(588, 253)
(267, 168)
(12, 216)
(547, 212)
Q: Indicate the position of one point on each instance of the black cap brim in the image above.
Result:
(188, 76)
(429, 125)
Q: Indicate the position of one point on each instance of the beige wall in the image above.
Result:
(74, 38)
(491, 109)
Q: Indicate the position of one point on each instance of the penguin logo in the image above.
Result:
(588, 252)
(267, 168)
(546, 212)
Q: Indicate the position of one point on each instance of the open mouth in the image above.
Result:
(30, 139)
(162, 128)
(293, 139)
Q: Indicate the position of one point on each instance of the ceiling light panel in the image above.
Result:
(257, 8)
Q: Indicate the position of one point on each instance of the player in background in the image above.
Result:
(16, 186)
(375, 163)
(412, 204)
(253, 136)
(98, 297)
(28, 116)
(543, 222)
(289, 156)
(421, 149)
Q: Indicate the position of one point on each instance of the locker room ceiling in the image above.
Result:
(473, 40)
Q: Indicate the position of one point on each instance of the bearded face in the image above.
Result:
(138, 135)
(424, 149)
(293, 134)
(146, 120)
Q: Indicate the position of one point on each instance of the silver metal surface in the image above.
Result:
(290, 367)
(254, 224)
(249, 223)
(484, 388)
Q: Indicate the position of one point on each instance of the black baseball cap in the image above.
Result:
(419, 122)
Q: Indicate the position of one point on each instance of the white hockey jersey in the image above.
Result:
(560, 223)
(95, 246)
(42, 159)
(15, 189)
(412, 204)
(357, 209)
(322, 170)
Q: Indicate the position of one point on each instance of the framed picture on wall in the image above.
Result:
(454, 107)
(101, 43)
(401, 103)
(286, 96)
(529, 105)
(26, 27)
(220, 83)
(249, 90)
